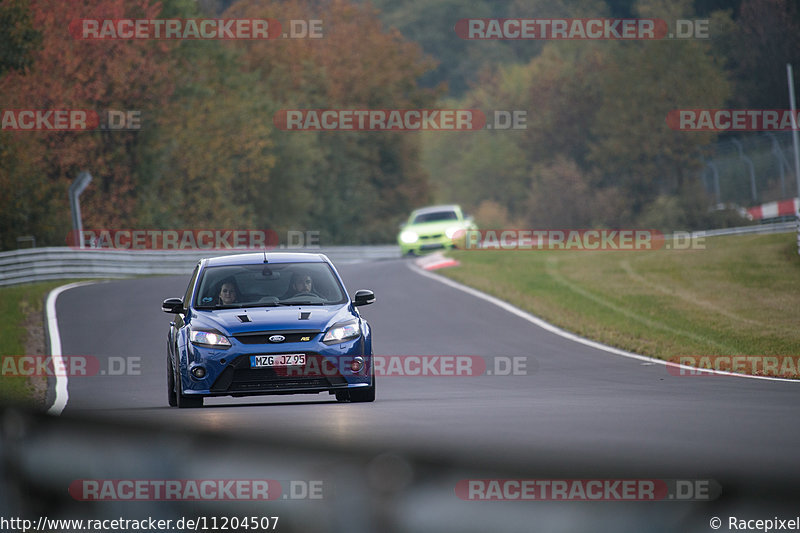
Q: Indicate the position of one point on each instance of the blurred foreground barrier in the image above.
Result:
(100, 469)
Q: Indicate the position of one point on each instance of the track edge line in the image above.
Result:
(571, 336)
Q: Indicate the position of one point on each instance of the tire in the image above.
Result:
(183, 401)
(359, 395)
(342, 396)
(364, 394)
(190, 402)
(172, 397)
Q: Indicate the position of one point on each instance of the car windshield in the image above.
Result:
(266, 285)
(436, 216)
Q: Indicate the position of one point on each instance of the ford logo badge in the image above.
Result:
(277, 338)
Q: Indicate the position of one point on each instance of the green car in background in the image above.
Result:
(433, 228)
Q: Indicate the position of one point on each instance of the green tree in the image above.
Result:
(36, 167)
(18, 35)
(350, 186)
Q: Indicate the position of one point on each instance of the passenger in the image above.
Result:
(228, 294)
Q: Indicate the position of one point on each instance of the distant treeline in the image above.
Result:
(596, 150)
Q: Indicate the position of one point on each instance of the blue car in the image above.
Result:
(268, 323)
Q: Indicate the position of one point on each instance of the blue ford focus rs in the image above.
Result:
(268, 323)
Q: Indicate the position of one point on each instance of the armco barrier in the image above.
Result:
(761, 229)
(43, 264)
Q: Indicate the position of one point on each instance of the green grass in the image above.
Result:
(21, 309)
(738, 296)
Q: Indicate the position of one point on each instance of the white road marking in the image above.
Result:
(61, 390)
(571, 336)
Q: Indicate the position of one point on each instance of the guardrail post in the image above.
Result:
(795, 142)
(750, 167)
(75, 190)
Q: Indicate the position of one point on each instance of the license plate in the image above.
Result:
(268, 361)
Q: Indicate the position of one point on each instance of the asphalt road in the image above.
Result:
(576, 409)
(393, 466)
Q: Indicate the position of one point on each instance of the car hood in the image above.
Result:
(310, 317)
(433, 227)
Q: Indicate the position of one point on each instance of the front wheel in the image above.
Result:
(364, 394)
(172, 397)
(182, 401)
(361, 394)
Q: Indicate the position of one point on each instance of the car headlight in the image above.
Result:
(342, 332)
(213, 339)
(452, 231)
(409, 237)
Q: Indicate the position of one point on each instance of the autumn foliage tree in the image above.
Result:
(351, 186)
(36, 167)
(208, 153)
(596, 149)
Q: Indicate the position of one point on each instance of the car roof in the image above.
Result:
(272, 258)
(436, 208)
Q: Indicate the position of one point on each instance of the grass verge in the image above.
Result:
(738, 296)
(22, 331)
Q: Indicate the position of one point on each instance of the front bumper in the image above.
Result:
(229, 372)
(427, 244)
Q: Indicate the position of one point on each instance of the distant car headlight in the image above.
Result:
(342, 332)
(213, 339)
(409, 237)
(452, 231)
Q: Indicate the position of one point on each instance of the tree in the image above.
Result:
(18, 34)
(66, 73)
(767, 37)
(351, 186)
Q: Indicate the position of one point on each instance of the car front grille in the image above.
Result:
(238, 377)
(262, 337)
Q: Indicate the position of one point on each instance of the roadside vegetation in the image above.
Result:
(738, 296)
(22, 331)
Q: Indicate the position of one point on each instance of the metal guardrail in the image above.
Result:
(45, 264)
(53, 263)
(761, 229)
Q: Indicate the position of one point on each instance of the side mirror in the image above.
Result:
(363, 297)
(172, 305)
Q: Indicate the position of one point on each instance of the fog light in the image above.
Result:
(199, 372)
(357, 364)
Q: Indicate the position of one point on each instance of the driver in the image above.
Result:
(301, 282)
